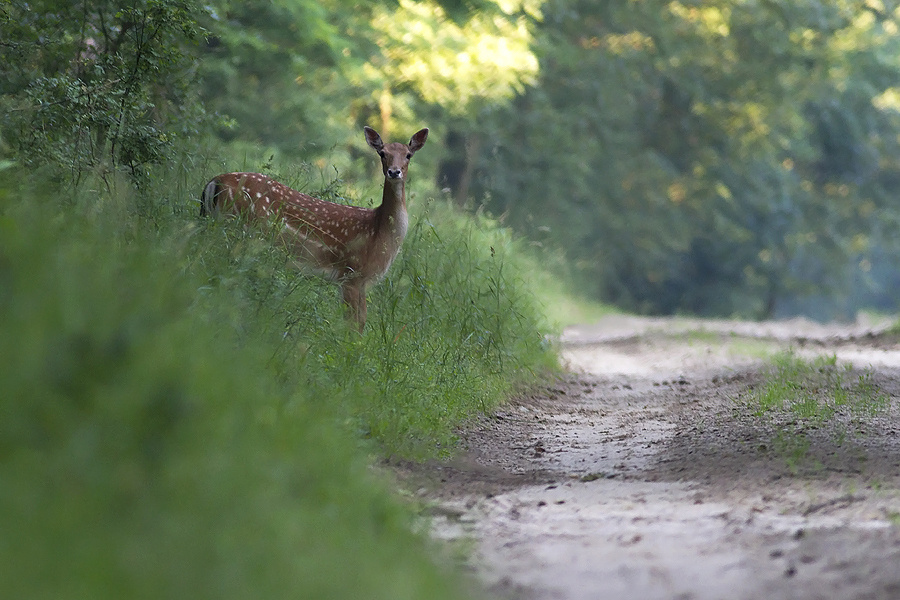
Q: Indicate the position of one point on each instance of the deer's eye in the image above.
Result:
(409, 156)
(381, 153)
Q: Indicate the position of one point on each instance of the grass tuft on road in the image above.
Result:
(803, 398)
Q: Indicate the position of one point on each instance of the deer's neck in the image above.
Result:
(391, 215)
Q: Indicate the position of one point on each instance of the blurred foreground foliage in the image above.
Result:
(184, 417)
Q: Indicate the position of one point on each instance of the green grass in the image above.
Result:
(182, 416)
(452, 326)
(805, 396)
(816, 389)
(451, 329)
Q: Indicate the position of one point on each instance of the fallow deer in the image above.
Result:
(351, 245)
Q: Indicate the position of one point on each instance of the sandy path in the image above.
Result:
(643, 476)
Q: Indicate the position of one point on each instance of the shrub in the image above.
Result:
(149, 448)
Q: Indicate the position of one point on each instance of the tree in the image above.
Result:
(717, 157)
(464, 64)
(274, 72)
(96, 85)
(291, 74)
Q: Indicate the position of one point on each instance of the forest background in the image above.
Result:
(184, 417)
(733, 158)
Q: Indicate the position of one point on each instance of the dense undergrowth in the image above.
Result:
(182, 416)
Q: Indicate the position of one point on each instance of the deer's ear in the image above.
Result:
(374, 139)
(418, 140)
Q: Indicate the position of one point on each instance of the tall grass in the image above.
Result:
(182, 416)
(451, 328)
(454, 325)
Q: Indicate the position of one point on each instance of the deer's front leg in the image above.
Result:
(354, 295)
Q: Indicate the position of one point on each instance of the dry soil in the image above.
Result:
(649, 473)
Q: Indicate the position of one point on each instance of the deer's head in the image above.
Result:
(395, 156)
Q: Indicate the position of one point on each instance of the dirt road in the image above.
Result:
(648, 474)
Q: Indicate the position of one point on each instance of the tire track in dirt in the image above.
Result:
(641, 475)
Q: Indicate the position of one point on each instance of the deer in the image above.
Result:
(352, 246)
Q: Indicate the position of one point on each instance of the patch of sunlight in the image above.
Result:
(712, 19)
(452, 64)
(631, 41)
(529, 7)
(889, 99)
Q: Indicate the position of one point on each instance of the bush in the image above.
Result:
(451, 328)
(182, 416)
(148, 449)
